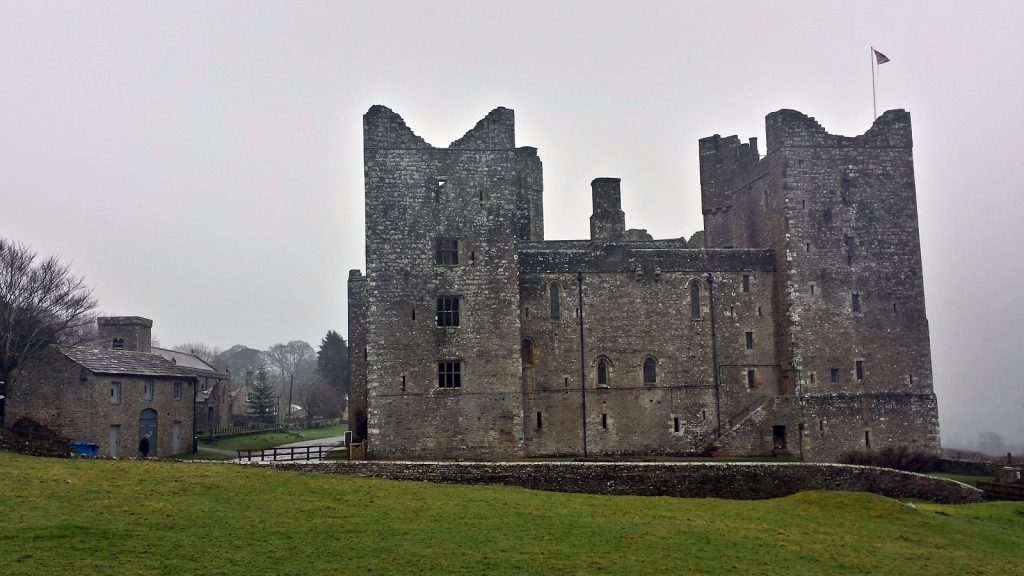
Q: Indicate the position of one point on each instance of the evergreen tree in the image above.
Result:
(332, 362)
(260, 404)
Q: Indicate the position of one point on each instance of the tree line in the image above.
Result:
(287, 381)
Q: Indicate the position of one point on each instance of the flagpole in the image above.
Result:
(874, 98)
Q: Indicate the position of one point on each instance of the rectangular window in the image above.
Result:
(835, 375)
(447, 251)
(540, 421)
(746, 282)
(855, 302)
(812, 377)
(147, 389)
(859, 367)
(439, 189)
(750, 340)
(604, 421)
(449, 374)
(751, 379)
(448, 311)
(177, 390)
(115, 392)
(867, 439)
(676, 426)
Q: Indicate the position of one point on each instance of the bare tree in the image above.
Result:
(200, 350)
(41, 303)
(291, 359)
(317, 398)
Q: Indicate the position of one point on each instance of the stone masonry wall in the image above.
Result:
(840, 214)
(813, 250)
(61, 395)
(740, 481)
(468, 194)
(637, 306)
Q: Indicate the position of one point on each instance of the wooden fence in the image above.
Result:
(286, 454)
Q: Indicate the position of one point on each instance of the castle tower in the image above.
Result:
(133, 333)
(840, 214)
(440, 296)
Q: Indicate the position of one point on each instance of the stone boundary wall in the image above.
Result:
(971, 467)
(740, 481)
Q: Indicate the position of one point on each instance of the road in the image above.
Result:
(330, 441)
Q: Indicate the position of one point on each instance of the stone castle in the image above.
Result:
(794, 324)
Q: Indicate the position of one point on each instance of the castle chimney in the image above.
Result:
(608, 224)
(133, 333)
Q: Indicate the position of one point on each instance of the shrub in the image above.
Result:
(901, 458)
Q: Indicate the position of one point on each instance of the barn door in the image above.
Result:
(147, 425)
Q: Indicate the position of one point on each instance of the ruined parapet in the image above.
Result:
(496, 131)
(530, 201)
(640, 235)
(792, 128)
(383, 128)
(608, 223)
(724, 164)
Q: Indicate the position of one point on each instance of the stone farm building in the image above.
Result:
(793, 324)
(115, 391)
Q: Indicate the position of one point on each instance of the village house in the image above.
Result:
(118, 390)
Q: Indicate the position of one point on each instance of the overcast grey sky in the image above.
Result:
(200, 162)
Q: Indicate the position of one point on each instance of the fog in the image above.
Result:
(200, 164)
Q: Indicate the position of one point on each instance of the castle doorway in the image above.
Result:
(779, 437)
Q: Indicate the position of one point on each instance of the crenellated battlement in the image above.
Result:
(795, 129)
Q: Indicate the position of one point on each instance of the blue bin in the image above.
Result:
(85, 448)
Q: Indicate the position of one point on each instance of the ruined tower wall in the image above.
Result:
(357, 350)
(467, 197)
(840, 214)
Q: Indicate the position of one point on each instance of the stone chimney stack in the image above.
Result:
(608, 224)
(132, 333)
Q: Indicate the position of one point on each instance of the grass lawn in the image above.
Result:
(272, 439)
(151, 517)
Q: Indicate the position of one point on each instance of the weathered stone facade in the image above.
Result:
(793, 324)
(116, 391)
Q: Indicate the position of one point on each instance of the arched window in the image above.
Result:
(602, 372)
(117, 344)
(526, 351)
(650, 370)
(695, 300)
(555, 304)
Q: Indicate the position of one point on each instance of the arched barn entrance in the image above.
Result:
(147, 425)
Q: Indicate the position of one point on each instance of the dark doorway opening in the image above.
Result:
(779, 437)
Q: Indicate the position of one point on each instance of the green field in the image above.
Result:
(272, 439)
(152, 517)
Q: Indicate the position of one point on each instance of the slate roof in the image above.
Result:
(190, 362)
(102, 361)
